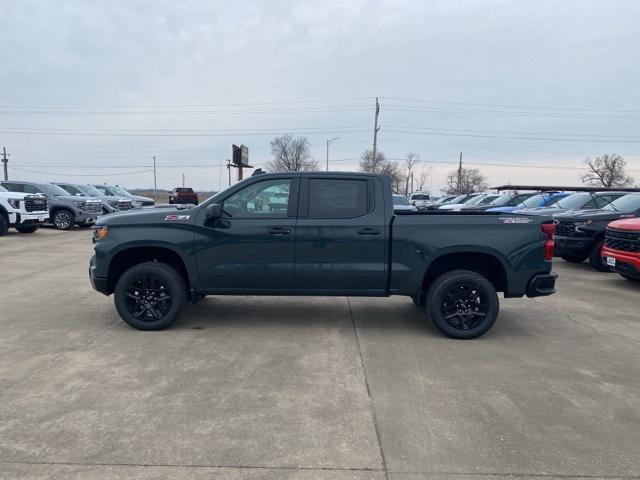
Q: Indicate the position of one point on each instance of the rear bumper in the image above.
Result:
(542, 285)
(627, 263)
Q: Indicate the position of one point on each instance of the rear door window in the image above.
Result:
(337, 198)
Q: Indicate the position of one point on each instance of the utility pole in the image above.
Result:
(155, 186)
(229, 170)
(5, 161)
(375, 133)
(329, 142)
(182, 179)
(460, 175)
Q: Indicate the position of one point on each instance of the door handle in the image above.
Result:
(279, 231)
(368, 231)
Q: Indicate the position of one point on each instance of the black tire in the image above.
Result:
(150, 311)
(462, 304)
(574, 258)
(27, 228)
(4, 225)
(418, 300)
(63, 220)
(595, 257)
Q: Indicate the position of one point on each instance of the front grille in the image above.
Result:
(565, 229)
(625, 241)
(124, 205)
(93, 207)
(35, 204)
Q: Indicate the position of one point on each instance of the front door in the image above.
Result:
(341, 236)
(251, 247)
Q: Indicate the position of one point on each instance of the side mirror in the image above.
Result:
(214, 210)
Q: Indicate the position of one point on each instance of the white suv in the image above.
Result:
(22, 211)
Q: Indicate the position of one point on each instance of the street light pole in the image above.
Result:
(329, 142)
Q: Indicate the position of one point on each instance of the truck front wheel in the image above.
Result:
(63, 220)
(462, 304)
(150, 295)
(4, 225)
(27, 228)
(595, 257)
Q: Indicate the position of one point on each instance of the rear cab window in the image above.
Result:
(339, 198)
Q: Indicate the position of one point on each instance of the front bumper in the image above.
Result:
(99, 284)
(572, 245)
(626, 263)
(542, 285)
(28, 218)
(86, 217)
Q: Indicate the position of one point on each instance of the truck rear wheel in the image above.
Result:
(462, 304)
(595, 257)
(27, 228)
(150, 295)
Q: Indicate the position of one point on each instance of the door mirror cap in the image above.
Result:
(214, 210)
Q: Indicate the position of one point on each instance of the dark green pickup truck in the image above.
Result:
(332, 234)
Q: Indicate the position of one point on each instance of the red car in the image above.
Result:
(183, 195)
(621, 250)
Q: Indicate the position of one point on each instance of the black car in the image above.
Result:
(504, 200)
(576, 201)
(580, 234)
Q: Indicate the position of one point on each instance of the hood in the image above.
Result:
(141, 199)
(595, 215)
(77, 198)
(543, 211)
(630, 224)
(504, 209)
(148, 216)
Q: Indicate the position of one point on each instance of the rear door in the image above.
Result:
(341, 235)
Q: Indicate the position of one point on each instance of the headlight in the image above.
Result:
(113, 203)
(79, 203)
(100, 232)
(15, 203)
(136, 203)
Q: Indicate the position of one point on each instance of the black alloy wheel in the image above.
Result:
(462, 304)
(148, 298)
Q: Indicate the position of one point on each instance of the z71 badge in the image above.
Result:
(177, 218)
(515, 220)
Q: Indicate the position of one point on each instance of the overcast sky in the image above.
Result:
(90, 91)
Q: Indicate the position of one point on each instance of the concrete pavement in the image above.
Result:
(310, 388)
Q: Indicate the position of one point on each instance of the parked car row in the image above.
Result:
(588, 224)
(27, 205)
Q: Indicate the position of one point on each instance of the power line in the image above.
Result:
(20, 169)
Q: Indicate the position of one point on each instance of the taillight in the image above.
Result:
(549, 229)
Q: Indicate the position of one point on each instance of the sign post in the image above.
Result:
(240, 159)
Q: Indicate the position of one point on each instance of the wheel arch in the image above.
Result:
(485, 263)
(136, 254)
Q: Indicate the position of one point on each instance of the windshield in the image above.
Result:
(54, 190)
(518, 199)
(89, 190)
(626, 204)
(573, 201)
(120, 191)
(400, 200)
(498, 200)
(419, 196)
(475, 200)
(533, 201)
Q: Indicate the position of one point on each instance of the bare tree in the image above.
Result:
(291, 154)
(606, 171)
(382, 166)
(421, 179)
(465, 180)
(410, 163)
